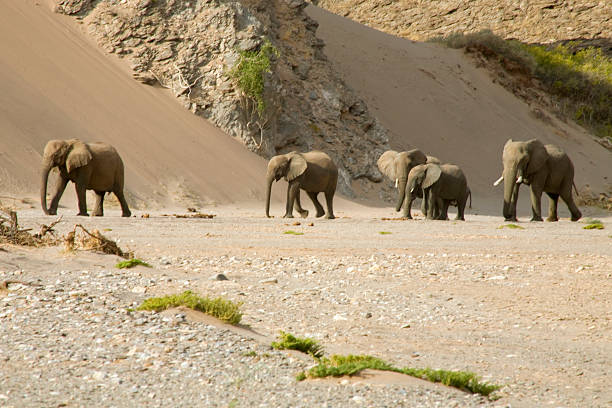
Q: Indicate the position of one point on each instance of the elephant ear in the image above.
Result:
(537, 156)
(386, 164)
(78, 156)
(433, 159)
(297, 166)
(433, 174)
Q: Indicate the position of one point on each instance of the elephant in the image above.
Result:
(91, 166)
(396, 166)
(313, 172)
(442, 185)
(545, 168)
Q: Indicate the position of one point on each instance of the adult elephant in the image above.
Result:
(396, 166)
(442, 185)
(91, 166)
(313, 172)
(545, 168)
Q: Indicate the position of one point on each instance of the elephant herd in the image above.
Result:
(545, 168)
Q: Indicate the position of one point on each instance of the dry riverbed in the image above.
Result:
(529, 309)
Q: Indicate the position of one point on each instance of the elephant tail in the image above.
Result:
(575, 189)
(470, 195)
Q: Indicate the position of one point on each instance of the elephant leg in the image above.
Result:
(552, 207)
(313, 196)
(566, 196)
(432, 205)
(461, 208)
(513, 201)
(81, 198)
(59, 190)
(329, 198)
(99, 206)
(423, 206)
(536, 203)
(443, 212)
(292, 191)
(298, 206)
(125, 210)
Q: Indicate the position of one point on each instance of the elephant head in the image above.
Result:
(290, 166)
(68, 154)
(422, 177)
(521, 161)
(396, 166)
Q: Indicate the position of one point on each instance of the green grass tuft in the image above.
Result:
(337, 366)
(384, 232)
(130, 263)
(593, 224)
(220, 308)
(511, 226)
(288, 341)
(291, 232)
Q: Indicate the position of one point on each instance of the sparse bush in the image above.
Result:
(593, 224)
(220, 308)
(291, 232)
(288, 341)
(511, 226)
(384, 232)
(581, 79)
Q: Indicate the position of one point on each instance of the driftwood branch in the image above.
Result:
(177, 82)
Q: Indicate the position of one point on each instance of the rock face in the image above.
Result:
(190, 47)
(536, 21)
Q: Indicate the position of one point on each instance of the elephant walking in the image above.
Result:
(313, 172)
(442, 185)
(91, 166)
(396, 166)
(545, 168)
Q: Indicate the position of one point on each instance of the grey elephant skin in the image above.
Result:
(545, 168)
(91, 166)
(313, 172)
(396, 166)
(442, 185)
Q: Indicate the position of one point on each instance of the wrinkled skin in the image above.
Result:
(91, 166)
(443, 185)
(545, 168)
(396, 166)
(313, 172)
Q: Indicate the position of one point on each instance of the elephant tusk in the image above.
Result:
(396, 182)
(412, 190)
(519, 180)
(499, 180)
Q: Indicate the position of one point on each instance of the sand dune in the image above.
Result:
(435, 99)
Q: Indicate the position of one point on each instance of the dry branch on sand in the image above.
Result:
(10, 232)
(93, 241)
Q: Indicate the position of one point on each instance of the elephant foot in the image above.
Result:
(510, 219)
(459, 218)
(330, 216)
(83, 214)
(576, 217)
(536, 219)
(52, 212)
(552, 219)
(129, 214)
(288, 216)
(97, 214)
(304, 213)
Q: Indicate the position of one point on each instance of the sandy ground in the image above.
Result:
(527, 308)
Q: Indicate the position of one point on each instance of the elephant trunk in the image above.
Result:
(43, 186)
(510, 185)
(269, 180)
(401, 193)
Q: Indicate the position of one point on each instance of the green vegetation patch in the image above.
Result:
(593, 224)
(288, 341)
(130, 263)
(291, 232)
(579, 77)
(338, 366)
(220, 308)
(248, 73)
(384, 232)
(511, 226)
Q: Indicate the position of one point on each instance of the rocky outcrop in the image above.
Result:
(190, 47)
(536, 21)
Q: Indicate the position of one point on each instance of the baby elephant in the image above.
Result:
(313, 172)
(442, 185)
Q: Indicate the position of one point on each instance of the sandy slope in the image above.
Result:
(435, 99)
(56, 84)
